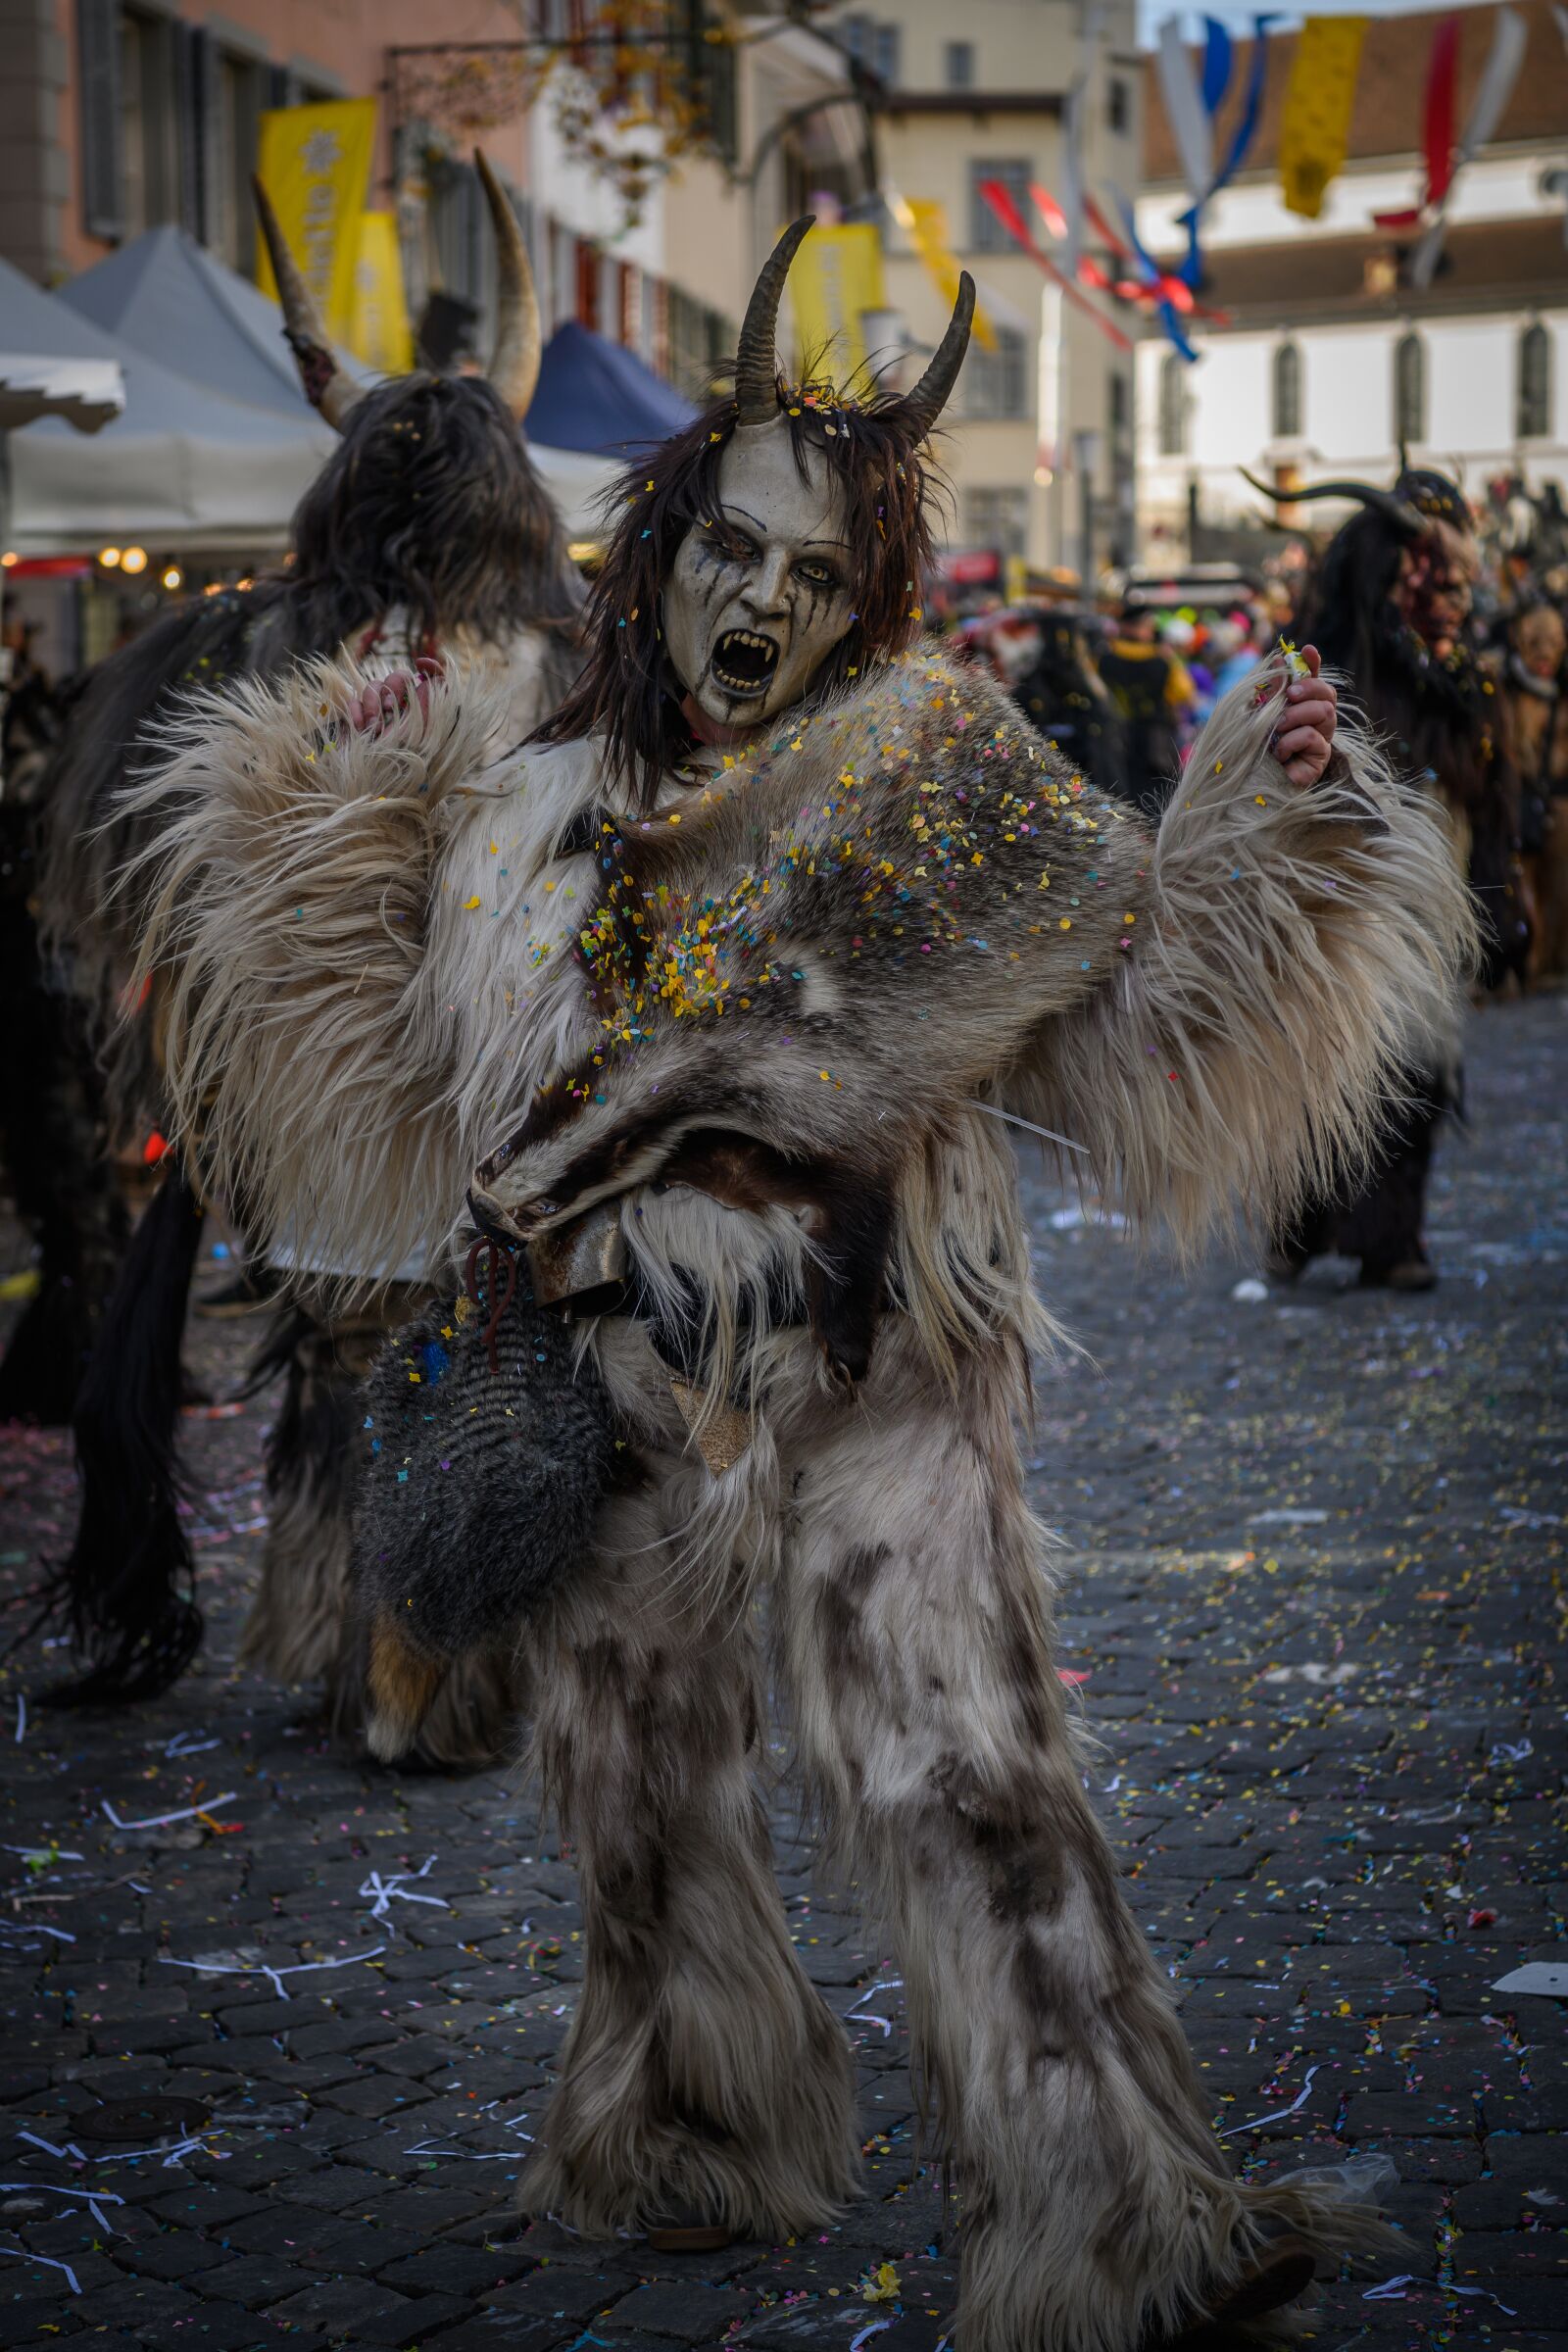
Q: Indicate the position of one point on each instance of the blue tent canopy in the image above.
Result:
(593, 394)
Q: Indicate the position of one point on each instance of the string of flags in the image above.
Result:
(1314, 140)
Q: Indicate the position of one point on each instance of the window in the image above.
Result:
(98, 71)
(855, 38)
(986, 232)
(1288, 392)
(997, 519)
(1118, 110)
(148, 183)
(1410, 389)
(1172, 406)
(1118, 408)
(1534, 408)
(957, 65)
(994, 382)
(874, 46)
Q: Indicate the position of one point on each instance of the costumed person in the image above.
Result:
(1531, 672)
(429, 534)
(1388, 607)
(1152, 692)
(730, 978)
(1054, 683)
(53, 1120)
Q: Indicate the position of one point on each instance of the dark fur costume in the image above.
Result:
(428, 507)
(1063, 698)
(1438, 713)
(478, 1482)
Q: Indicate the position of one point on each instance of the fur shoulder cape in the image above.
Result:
(909, 900)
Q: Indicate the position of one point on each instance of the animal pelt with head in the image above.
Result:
(485, 1454)
(427, 530)
(907, 901)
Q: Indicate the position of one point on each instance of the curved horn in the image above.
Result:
(924, 405)
(513, 369)
(1393, 511)
(327, 387)
(756, 353)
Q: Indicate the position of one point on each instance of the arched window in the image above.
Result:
(1172, 406)
(1410, 389)
(1288, 392)
(1534, 406)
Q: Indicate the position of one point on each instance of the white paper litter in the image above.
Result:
(1547, 1977)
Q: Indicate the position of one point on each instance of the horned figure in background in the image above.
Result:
(428, 535)
(1390, 606)
(778, 913)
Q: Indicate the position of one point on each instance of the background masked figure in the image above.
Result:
(428, 533)
(747, 944)
(1389, 607)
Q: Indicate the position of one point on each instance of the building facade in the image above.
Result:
(1329, 358)
(119, 114)
(1041, 451)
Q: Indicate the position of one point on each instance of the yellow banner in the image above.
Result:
(1315, 127)
(925, 223)
(835, 280)
(379, 333)
(315, 163)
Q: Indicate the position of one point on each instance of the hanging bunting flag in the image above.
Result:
(1152, 277)
(1218, 58)
(378, 326)
(1510, 40)
(1437, 132)
(1246, 130)
(924, 221)
(999, 197)
(837, 285)
(315, 163)
(1315, 129)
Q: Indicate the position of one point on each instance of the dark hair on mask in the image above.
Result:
(625, 692)
(429, 501)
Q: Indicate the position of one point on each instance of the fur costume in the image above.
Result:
(1390, 609)
(749, 1004)
(1532, 673)
(428, 533)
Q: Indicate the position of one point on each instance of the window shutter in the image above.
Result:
(98, 39)
(196, 87)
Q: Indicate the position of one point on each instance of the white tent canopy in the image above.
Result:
(215, 446)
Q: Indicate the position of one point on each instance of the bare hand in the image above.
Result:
(382, 702)
(1303, 740)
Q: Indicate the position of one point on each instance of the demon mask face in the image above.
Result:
(763, 587)
(760, 595)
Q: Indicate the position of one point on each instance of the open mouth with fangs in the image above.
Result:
(744, 663)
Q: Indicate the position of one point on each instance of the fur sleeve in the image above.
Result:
(1300, 949)
(310, 1034)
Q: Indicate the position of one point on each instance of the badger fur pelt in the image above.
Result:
(483, 1455)
(910, 900)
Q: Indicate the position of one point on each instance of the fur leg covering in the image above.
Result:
(915, 900)
(298, 1624)
(702, 2070)
(128, 1584)
(914, 1624)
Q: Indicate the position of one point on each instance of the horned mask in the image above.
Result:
(513, 369)
(763, 590)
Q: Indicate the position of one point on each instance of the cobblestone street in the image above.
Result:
(1313, 1588)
